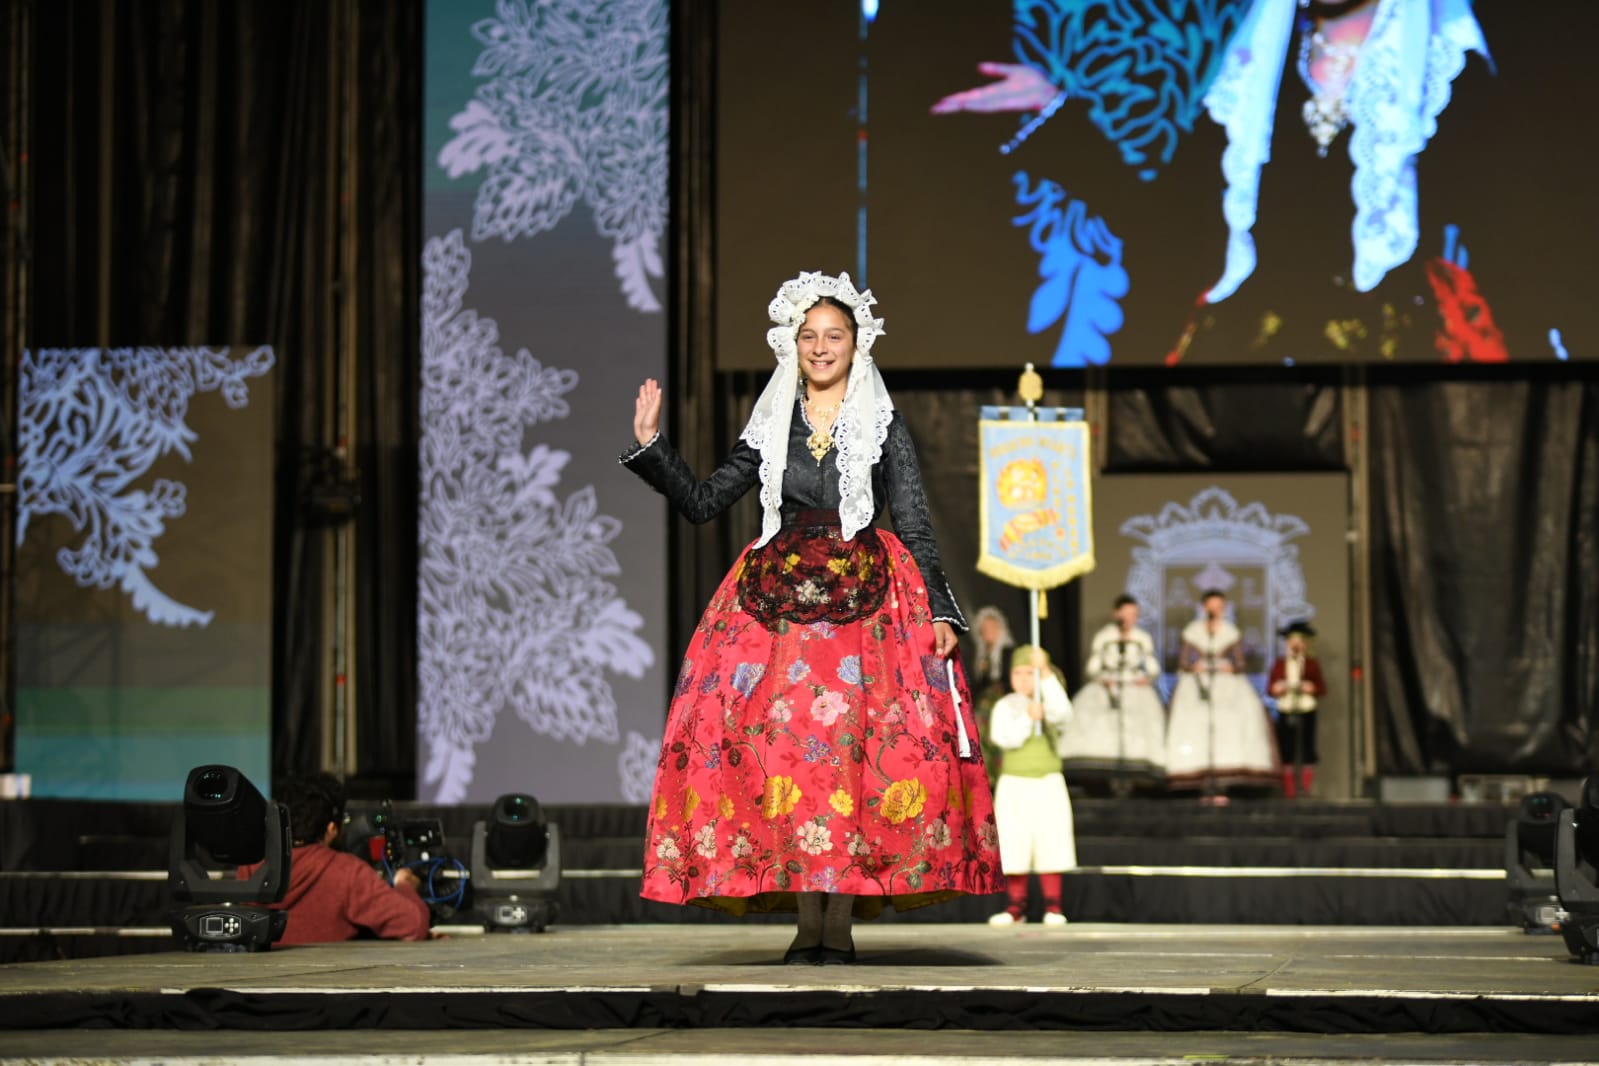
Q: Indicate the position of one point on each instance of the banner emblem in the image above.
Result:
(1035, 509)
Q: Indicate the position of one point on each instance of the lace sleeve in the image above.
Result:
(698, 501)
(902, 478)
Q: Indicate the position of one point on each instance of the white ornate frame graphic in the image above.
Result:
(1214, 528)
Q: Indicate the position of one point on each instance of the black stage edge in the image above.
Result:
(979, 1009)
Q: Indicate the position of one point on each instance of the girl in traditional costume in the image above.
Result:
(1119, 729)
(1219, 734)
(815, 756)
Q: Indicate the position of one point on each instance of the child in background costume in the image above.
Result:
(1296, 683)
(1031, 805)
(1218, 734)
(990, 676)
(1118, 726)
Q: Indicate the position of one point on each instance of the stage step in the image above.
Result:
(1143, 860)
(815, 1047)
(1175, 979)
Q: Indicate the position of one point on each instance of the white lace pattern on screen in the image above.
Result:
(514, 611)
(92, 422)
(1215, 529)
(636, 765)
(574, 108)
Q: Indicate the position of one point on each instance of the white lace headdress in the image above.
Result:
(862, 423)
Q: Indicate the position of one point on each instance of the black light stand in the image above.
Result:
(1530, 861)
(1577, 874)
(226, 822)
(516, 867)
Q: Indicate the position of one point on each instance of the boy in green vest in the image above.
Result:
(1031, 807)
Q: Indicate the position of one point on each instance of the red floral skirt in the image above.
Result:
(819, 756)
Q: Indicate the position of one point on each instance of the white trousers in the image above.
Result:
(1034, 818)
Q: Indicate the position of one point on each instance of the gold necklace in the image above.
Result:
(821, 440)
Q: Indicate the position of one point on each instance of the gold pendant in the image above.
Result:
(819, 443)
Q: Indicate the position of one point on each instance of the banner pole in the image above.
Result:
(1031, 389)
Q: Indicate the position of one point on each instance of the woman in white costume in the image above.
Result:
(1118, 726)
(1031, 806)
(1219, 733)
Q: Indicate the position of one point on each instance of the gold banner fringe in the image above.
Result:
(1021, 577)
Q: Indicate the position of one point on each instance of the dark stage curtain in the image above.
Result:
(250, 172)
(1255, 420)
(1485, 542)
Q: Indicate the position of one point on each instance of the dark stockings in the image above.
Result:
(825, 920)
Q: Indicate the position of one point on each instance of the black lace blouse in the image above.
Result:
(809, 485)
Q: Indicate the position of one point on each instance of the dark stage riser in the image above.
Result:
(1264, 862)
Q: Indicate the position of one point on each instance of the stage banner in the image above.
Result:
(144, 577)
(1035, 503)
(542, 562)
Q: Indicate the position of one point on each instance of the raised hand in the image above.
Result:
(1020, 88)
(647, 411)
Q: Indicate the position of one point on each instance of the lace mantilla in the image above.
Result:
(862, 423)
(1243, 101)
(1401, 83)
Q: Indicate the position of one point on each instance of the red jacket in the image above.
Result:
(1310, 680)
(334, 895)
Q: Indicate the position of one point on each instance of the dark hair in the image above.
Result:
(1124, 600)
(1212, 593)
(313, 802)
(842, 308)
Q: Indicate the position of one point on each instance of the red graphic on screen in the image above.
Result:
(1466, 329)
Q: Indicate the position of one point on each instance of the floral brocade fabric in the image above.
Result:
(809, 573)
(819, 757)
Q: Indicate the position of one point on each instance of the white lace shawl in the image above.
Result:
(1402, 79)
(863, 418)
(1199, 635)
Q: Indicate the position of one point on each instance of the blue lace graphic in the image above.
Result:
(1144, 66)
(1080, 262)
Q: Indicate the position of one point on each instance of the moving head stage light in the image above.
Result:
(516, 866)
(225, 822)
(1577, 874)
(1530, 863)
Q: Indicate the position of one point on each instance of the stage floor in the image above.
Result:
(1335, 980)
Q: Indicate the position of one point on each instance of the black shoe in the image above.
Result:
(836, 956)
(811, 956)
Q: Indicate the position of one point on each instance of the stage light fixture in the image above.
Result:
(1577, 874)
(1530, 862)
(516, 866)
(226, 822)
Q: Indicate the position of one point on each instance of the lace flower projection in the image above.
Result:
(635, 767)
(514, 611)
(92, 422)
(574, 109)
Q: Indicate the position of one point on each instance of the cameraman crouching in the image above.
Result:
(332, 894)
